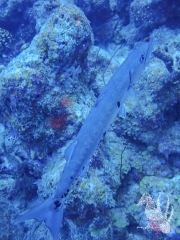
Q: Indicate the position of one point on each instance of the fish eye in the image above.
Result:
(142, 58)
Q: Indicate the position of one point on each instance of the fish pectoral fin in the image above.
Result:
(132, 77)
(131, 93)
(69, 151)
(122, 112)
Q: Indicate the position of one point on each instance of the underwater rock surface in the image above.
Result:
(55, 59)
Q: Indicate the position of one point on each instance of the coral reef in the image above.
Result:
(55, 59)
(161, 12)
(37, 75)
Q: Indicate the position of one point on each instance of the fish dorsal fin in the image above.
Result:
(84, 170)
(99, 98)
(69, 151)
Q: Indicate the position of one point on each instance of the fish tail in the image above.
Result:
(50, 211)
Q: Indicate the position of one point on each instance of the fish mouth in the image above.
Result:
(150, 41)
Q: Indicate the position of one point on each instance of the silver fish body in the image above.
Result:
(103, 113)
(108, 105)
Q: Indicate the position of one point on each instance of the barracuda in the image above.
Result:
(103, 113)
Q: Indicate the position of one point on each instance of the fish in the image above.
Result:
(108, 105)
